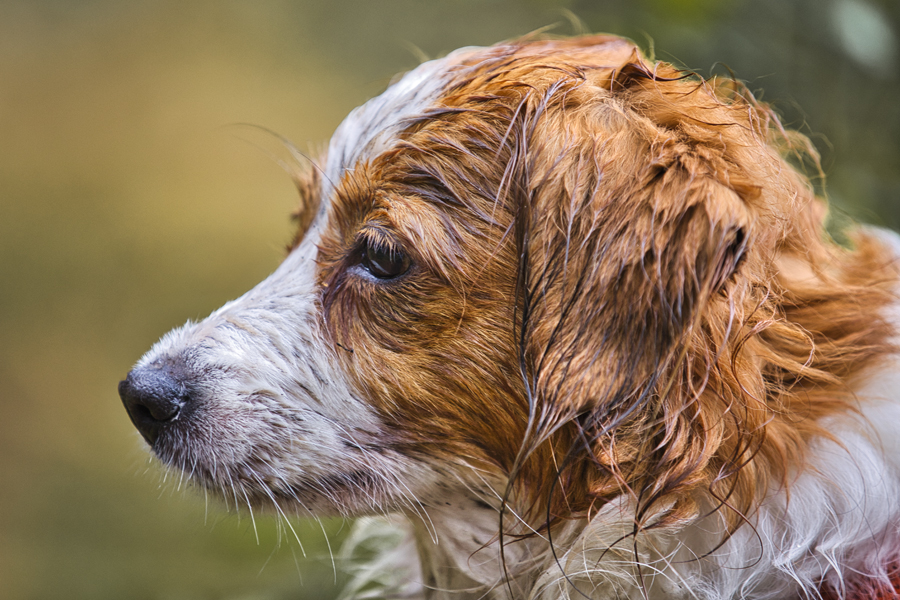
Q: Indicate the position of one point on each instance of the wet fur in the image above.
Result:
(627, 360)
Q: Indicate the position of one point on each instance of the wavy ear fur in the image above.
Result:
(608, 300)
(654, 329)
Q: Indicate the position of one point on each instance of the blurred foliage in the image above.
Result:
(129, 202)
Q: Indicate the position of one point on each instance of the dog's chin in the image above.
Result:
(259, 486)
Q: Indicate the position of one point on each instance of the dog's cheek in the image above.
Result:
(439, 368)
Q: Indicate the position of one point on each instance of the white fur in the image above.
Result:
(283, 409)
(277, 409)
(371, 128)
(283, 421)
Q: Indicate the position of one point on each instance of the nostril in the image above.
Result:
(155, 410)
(153, 397)
(142, 413)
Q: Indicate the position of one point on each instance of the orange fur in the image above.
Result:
(633, 222)
(575, 315)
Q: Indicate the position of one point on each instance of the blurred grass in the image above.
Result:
(129, 204)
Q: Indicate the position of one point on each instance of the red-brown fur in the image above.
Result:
(619, 285)
(575, 315)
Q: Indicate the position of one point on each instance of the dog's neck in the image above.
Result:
(840, 518)
(460, 557)
(459, 552)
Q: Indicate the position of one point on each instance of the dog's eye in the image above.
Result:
(384, 262)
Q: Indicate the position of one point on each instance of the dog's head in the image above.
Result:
(543, 272)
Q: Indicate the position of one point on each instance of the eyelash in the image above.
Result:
(381, 260)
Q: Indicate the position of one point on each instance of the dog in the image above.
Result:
(573, 315)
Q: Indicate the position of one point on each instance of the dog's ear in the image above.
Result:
(620, 258)
(680, 249)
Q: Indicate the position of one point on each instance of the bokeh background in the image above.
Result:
(131, 200)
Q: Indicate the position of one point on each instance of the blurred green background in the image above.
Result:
(129, 202)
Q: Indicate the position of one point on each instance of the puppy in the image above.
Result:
(572, 314)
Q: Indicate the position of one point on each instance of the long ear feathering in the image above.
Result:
(650, 367)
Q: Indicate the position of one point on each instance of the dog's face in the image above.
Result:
(507, 266)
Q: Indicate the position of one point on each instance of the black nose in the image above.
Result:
(153, 396)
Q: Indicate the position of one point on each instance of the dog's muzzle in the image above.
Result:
(154, 396)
